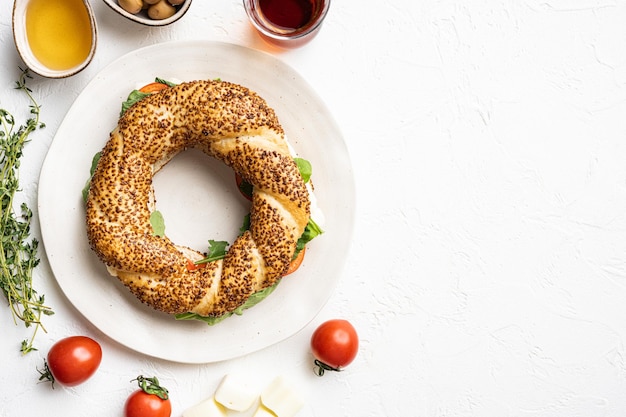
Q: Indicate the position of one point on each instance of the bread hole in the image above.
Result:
(199, 200)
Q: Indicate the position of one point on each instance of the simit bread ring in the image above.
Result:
(234, 125)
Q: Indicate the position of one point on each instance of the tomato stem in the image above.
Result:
(45, 375)
(151, 386)
(322, 367)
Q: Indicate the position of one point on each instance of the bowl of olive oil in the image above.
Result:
(54, 38)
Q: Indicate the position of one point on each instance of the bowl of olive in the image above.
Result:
(150, 12)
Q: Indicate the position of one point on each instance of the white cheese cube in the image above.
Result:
(281, 399)
(207, 408)
(262, 411)
(235, 393)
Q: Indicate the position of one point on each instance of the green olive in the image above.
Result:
(131, 6)
(161, 10)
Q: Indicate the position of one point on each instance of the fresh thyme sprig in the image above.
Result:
(18, 253)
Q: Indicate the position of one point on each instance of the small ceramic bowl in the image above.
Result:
(143, 18)
(50, 56)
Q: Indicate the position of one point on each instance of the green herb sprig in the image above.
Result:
(152, 386)
(18, 253)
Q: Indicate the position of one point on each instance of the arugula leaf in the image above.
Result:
(305, 168)
(217, 251)
(246, 224)
(134, 97)
(137, 95)
(217, 248)
(210, 320)
(253, 300)
(311, 231)
(162, 81)
(256, 298)
(158, 223)
(94, 164)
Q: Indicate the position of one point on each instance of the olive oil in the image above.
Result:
(58, 32)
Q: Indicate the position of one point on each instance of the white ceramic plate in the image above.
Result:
(199, 201)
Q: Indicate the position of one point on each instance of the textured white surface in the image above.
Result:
(487, 275)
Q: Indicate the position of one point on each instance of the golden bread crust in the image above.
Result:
(226, 121)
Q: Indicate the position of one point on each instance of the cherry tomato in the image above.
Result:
(244, 187)
(142, 404)
(334, 345)
(192, 266)
(73, 360)
(153, 87)
(151, 400)
(295, 263)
